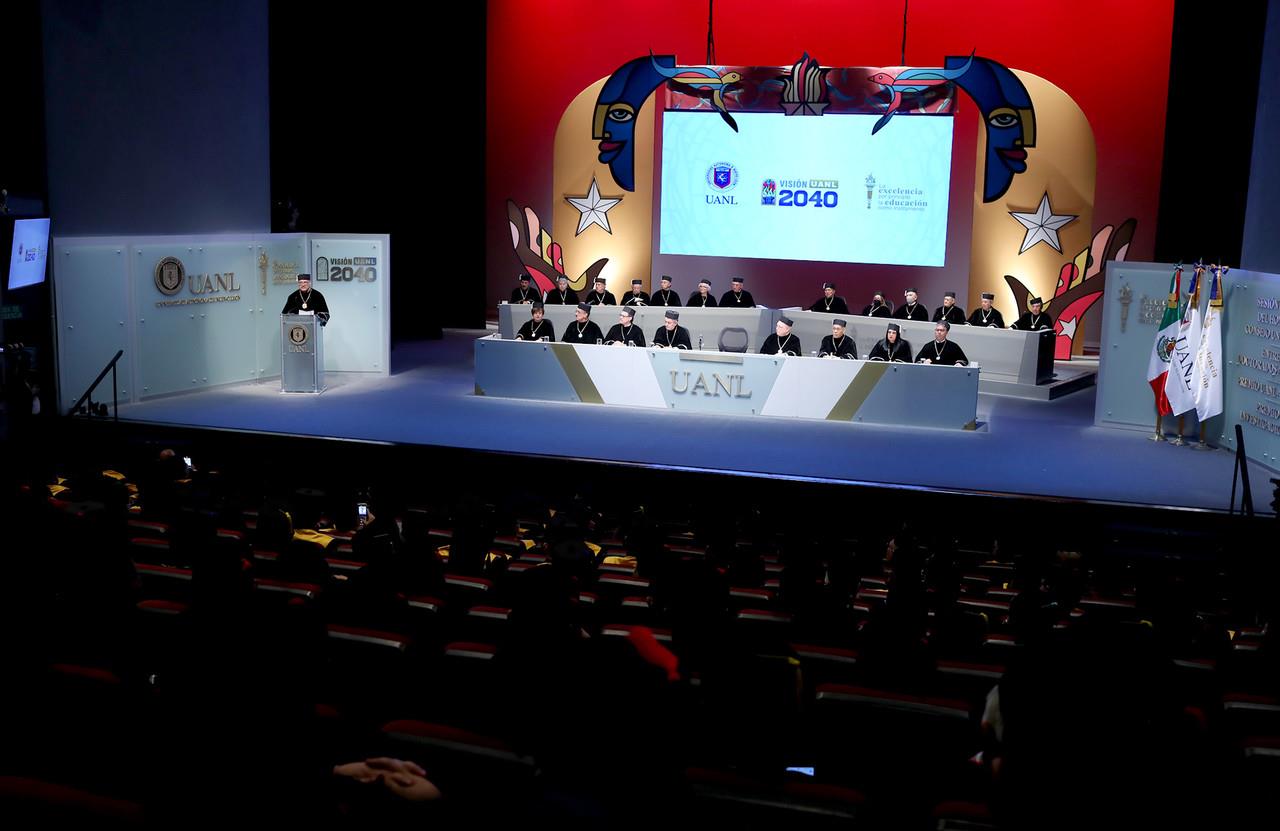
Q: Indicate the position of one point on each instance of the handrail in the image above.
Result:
(1241, 473)
(115, 395)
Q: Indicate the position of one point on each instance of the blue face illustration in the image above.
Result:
(1009, 118)
(614, 120)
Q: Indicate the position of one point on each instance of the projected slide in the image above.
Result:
(30, 248)
(806, 188)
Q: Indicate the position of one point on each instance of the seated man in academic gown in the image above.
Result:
(911, 310)
(600, 296)
(636, 297)
(664, 296)
(986, 315)
(949, 311)
(838, 344)
(306, 300)
(782, 342)
(829, 303)
(672, 335)
(583, 329)
(877, 307)
(736, 297)
(523, 293)
(703, 298)
(536, 328)
(892, 347)
(623, 333)
(561, 295)
(1035, 319)
(940, 350)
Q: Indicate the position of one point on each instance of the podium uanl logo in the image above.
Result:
(170, 275)
(298, 335)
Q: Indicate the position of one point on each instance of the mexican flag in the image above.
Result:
(1207, 378)
(1158, 364)
(1179, 388)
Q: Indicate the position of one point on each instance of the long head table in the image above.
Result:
(1006, 355)
(870, 392)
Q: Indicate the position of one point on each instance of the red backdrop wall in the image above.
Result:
(1112, 58)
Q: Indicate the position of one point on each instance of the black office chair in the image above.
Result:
(734, 339)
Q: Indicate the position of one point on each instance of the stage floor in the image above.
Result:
(1043, 448)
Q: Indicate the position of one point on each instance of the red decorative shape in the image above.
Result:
(1066, 275)
(543, 282)
(1075, 310)
(557, 257)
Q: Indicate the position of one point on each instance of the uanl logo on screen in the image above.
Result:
(722, 177)
(800, 192)
(346, 269)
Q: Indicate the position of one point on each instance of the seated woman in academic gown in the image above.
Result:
(838, 344)
(561, 295)
(942, 351)
(536, 328)
(1035, 319)
(892, 348)
(829, 302)
(877, 307)
(703, 298)
(623, 332)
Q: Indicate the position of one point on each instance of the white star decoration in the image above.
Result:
(593, 209)
(1043, 225)
(1069, 327)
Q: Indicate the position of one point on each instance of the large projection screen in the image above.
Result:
(806, 188)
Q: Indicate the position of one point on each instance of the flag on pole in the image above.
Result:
(1182, 361)
(1158, 363)
(1207, 378)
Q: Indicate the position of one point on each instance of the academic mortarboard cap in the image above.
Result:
(586, 307)
(524, 278)
(302, 277)
(627, 310)
(785, 321)
(666, 278)
(562, 277)
(537, 307)
(839, 321)
(737, 280)
(637, 282)
(911, 291)
(893, 327)
(950, 294)
(828, 285)
(704, 282)
(986, 295)
(599, 280)
(1035, 301)
(672, 314)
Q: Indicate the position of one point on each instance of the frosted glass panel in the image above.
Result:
(91, 283)
(352, 275)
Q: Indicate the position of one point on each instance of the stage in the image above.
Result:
(1041, 448)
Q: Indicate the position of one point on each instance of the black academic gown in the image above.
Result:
(874, 310)
(529, 295)
(788, 345)
(678, 339)
(537, 331)
(635, 298)
(916, 312)
(314, 301)
(897, 353)
(555, 297)
(1031, 323)
(595, 298)
(587, 332)
(696, 300)
(845, 349)
(667, 297)
(949, 355)
(625, 334)
(835, 305)
(992, 318)
(954, 315)
(729, 300)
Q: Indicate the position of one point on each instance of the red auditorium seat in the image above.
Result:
(465, 764)
(31, 803)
